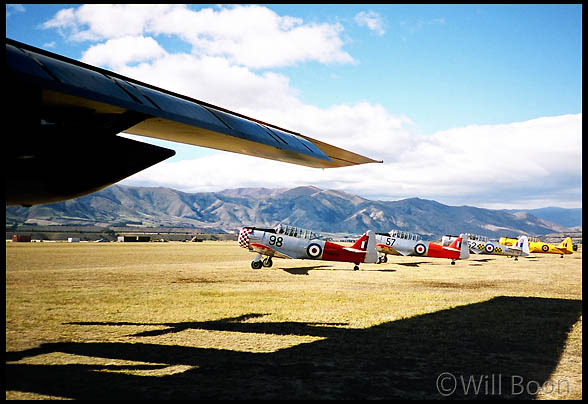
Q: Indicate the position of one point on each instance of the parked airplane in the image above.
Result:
(68, 114)
(398, 242)
(537, 246)
(291, 242)
(482, 245)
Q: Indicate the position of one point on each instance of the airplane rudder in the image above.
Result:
(567, 244)
(524, 241)
(464, 250)
(371, 242)
(371, 249)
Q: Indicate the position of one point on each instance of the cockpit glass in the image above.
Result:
(296, 232)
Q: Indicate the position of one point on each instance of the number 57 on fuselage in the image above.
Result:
(292, 242)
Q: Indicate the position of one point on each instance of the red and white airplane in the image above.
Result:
(404, 243)
(291, 242)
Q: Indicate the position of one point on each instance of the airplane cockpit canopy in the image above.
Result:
(404, 235)
(293, 231)
(477, 237)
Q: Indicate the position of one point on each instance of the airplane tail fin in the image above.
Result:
(506, 241)
(567, 245)
(367, 243)
(523, 244)
(461, 244)
(361, 243)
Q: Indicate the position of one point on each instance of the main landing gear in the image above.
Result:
(356, 268)
(257, 263)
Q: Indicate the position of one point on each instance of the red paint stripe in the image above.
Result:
(335, 252)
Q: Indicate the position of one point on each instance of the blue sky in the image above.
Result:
(466, 104)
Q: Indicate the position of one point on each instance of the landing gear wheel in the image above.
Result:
(452, 262)
(356, 268)
(256, 264)
(267, 262)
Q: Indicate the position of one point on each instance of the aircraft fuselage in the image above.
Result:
(305, 245)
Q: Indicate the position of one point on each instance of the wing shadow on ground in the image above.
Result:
(482, 259)
(413, 264)
(502, 339)
(304, 270)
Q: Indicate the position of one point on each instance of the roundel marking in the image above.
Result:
(420, 249)
(489, 248)
(545, 247)
(314, 250)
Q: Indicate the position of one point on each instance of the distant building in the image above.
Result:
(134, 239)
(73, 240)
(21, 238)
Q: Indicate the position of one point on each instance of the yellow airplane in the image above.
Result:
(536, 246)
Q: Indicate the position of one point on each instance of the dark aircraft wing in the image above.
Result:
(65, 116)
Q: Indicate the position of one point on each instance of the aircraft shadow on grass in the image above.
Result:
(483, 259)
(304, 270)
(413, 264)
(501, 340)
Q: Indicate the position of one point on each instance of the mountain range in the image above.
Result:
(326, 211)
(565, 217)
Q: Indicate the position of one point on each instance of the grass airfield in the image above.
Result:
(194, 321)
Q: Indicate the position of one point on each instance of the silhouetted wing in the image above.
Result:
(68, 114)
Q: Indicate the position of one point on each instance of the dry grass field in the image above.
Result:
(194, 321)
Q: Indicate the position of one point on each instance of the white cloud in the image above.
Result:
(119, 52)
(523, 162)
(364, 127)
(216, 81)
(251, 36)
(372, 20)
(97, 22)
(513, 165)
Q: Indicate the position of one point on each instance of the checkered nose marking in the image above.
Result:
(244, 237)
